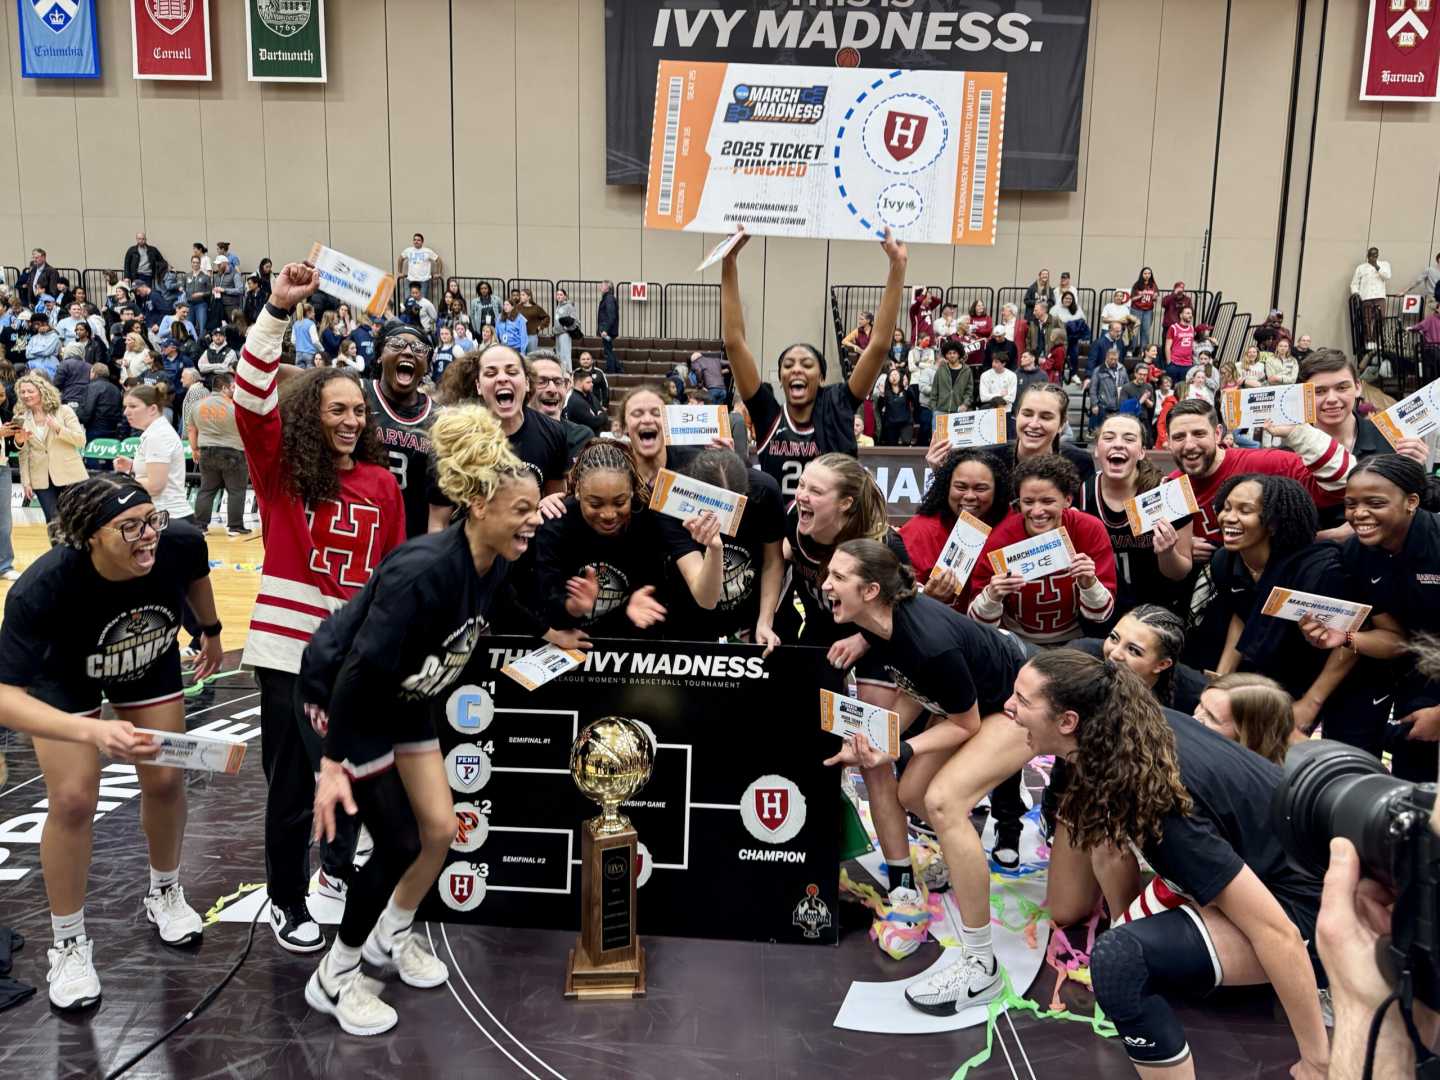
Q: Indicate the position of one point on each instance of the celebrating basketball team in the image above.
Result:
(403, 521)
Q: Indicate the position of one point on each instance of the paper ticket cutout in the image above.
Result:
(1170, 501)
(847, 716)
(683, 497)
(962, 548)
(362, 286)
(1295, 605)
(982, 427)
(205, 753)
(1035, 557)
(534, 670)
(695, 425)
(1250, 408)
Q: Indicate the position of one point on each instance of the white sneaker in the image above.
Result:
(956, 987)
(416, 965)
(10, 575)
(72, 978)
(352, 999)
(177, 922)
(330, 888)
(295, 929)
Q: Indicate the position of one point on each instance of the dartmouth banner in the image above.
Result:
(285, 40)
(1040, 44)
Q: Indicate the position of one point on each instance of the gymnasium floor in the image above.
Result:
(715, 1009)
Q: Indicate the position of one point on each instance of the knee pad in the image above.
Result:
(1135, 966)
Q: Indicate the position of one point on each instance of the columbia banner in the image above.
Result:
(58, 39)
(285, 40)
(1402, 52)
(739, 824)
(840, 153)
(1039, 44)
(171, 39)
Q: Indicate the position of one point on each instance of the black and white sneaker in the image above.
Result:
(956, 987)
(1006, 851)
(295, 930)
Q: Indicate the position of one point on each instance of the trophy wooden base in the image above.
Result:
(585, 981)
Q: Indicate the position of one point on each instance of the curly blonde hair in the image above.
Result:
(49, 396)
(1125, 778)
(472, 455)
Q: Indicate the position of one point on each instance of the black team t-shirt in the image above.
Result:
(539, 442)
(808, 563)
(785, 447)
(405, 434)
(946, 660)
(1138, 577)
(739, 607)
(70, 634)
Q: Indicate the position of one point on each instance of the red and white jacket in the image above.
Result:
(316, 557)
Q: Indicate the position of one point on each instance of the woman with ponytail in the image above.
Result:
(951, 674)
(96, 617)
(369, 680)
(1228, 906)
(1393, 562)
(1148, 639)
(1150, 567)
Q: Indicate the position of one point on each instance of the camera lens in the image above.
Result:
(1331, 789)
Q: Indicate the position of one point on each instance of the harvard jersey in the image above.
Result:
(316, 556)
(1138, 578)
(785, 447)
(405, 435)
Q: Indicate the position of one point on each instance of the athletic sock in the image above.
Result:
(977, 943)
(67, 927)
(340, 959)
(160, 880)
(902, 875)
(394, 920)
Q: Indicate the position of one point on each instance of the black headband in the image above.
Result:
(123, 496)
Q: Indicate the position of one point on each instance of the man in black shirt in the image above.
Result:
(607, 324)
(581, 407)
(602, 384)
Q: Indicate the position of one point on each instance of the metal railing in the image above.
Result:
(1237, 338)
(12, 275)
(691, 312)
(1394, 307)
(71, 274)
(97, 284)
(964, 297)
(1087, 299)
(641, 318)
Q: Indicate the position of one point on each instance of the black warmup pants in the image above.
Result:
(385, 809)
(290, 754)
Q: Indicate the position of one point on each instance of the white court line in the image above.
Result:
(1016, 1035)
(445, 933)
(999, 1038)
(449, 985)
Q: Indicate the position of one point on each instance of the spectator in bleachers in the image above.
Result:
(1105, 384)
(37, 279)
(1180, 344)
(537, 320)
(1118, 310)
(1252, 368)
(1368, 283)
(464, 340)
(1067, 309)
(1280, 367)
(198, 288)
(201, 252)
(586, 362)
(999, 342)
(952, 389)
(1204, 348)
(83, 299)
(706, 372)
(997, 387)
(218, 357)
(253, 302)
(136, 360)
(443, 355)
(330, 335)
(305, 336)
(920, 308)
(1112, 338)
(898, 347)
(1077, 332)
(581, 406)
(101, 409)
(418, 264)
(349, 357)
(42, 350)
(95, 349)
(79, 317)
(1197, 384)
(364, 338)
(510, 330)
(567, 326)
(453, 314)
(222, 250)
(143, 262)
(452, 292)
(153, 306)
(1009, 319)
(607, 325)
(419, 311)
(1137, 398)
(1040, 291)
(171, 361)
(980, 322)
(484, 309)
(1172, 304)
(72, 373)
(895, 407)
(228, 288)
(946, 324)
(1028, 372)
(1143, 296)
(181, 316)
(1271, 331)
(854, 342)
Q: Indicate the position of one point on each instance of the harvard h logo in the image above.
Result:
(904, 132)
(772, 807)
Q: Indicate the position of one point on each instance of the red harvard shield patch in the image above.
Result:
(461, 886)
(904, 132)
(772, 807)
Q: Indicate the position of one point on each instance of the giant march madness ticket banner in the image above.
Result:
(838, 153)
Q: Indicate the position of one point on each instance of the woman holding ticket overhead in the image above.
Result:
(369, 680)
(1041, 589)
(1267, 526)
(1153, 565)
(96, 617)
(936, 664)
(814, 418)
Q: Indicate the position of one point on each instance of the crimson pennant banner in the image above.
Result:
(1402, 51)
(171, 39)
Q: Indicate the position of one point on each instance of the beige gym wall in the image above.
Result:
(481, 124)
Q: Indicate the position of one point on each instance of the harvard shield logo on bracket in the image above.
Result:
(468, 768)
(773, 809)
(170, 15)
(471, 828)
(469, 709)
(461, 886)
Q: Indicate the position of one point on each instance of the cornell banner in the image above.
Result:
(1039, 44)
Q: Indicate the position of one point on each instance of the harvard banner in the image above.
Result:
(1402, 52)
(171, 39)
(58, 39)
(1039, 44)
(285, 40)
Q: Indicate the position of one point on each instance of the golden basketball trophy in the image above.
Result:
(610, 761)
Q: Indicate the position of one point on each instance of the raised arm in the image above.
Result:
(732, 323)
(867, 368)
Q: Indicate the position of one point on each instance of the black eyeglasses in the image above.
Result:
(411, 348)
(133, 529)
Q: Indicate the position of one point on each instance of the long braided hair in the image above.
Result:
(1169, 631)
(1126, 775)
(607, 455)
